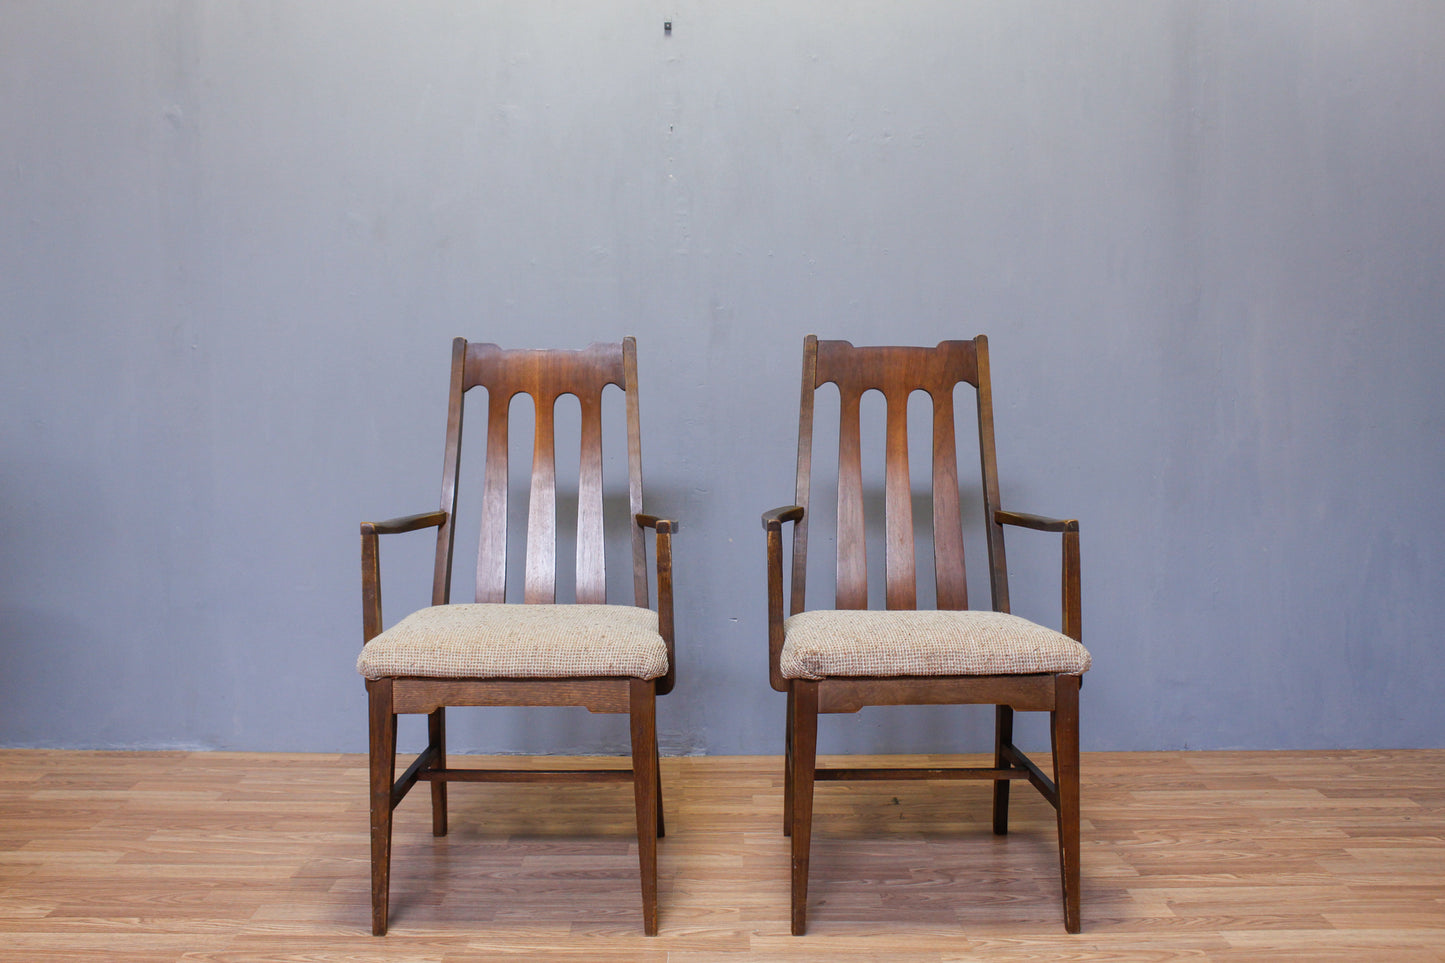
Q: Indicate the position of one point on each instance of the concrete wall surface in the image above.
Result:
(1204, 239)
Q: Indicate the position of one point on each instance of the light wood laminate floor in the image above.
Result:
(1187, 855)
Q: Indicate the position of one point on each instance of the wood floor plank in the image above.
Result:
(234, 857)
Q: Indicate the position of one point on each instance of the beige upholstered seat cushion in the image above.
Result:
(821, 644)
(496, 641)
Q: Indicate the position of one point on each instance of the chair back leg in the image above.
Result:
(436, 726)
(645, 783)
(1003, 737)
(803, 729)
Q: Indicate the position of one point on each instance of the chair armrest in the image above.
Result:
(664, 527)
(1038, 523)
(371, 563)
(1069, 528)
(406, 523)
(773, 525)
(773, 519)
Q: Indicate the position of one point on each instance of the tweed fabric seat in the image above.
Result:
(827, 643)
(508, 641)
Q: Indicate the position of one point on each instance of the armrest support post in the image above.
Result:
(1071, 594)
(664, 529)
(1072, 602)
(773, 527)
(371, 563)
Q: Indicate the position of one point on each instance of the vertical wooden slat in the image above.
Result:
(541, 583)
(634, 470)
(492, 545)
(898, 508)
(948, 567)
(798, 583)
(852, 546)
(591, 570)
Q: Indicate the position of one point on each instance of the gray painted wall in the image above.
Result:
(1205, 239)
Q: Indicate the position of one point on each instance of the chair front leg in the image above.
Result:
(804, 726)
(645, 783)
(383, 777)
(1065, 737)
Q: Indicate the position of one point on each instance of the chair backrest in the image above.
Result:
(898, 372)
(544, 375)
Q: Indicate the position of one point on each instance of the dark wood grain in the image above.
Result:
(901, 576)
(988, 461)
(802, 489)
(406, 523)
(896, 373)
(591, 569)
(605, 695)
(1003, 740)
(1064, 729)
(541, 569)
(949, 575)
(773, 521)
(803, 723)
(634, 469)
(436, 730)
(383, 775)
(1022, 692)
(447, 536)
(852, 588)
(543, 376)
(371, 622)
(492, 544)
(646, 783)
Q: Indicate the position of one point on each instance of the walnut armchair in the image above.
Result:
(840, 660)
(608, 658)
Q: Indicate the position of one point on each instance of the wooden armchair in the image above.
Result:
(607, 658)
(842, 660)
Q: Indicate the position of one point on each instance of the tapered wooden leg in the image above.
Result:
(383, 776)
(788, 767)
(1065, 731)
(436, 724)
(643, 711)
(804, 726)
(1003, 736)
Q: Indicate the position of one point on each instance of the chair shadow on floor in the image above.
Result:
(917, 854)
(521, 855)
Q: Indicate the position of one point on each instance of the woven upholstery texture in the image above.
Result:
(508, 641)
(821, 644)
